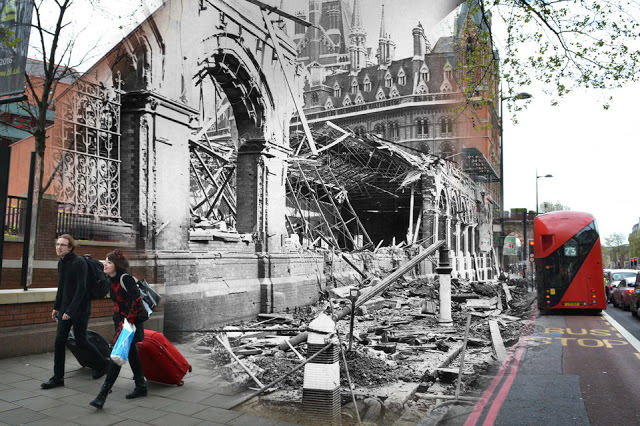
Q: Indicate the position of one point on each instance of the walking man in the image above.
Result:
(71, 308)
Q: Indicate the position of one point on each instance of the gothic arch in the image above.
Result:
(249, 97)
(133, 61)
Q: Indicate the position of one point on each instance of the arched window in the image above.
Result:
(447, 72)
(379, 130)
(354, 86)
(380, 95)
(424, 73)
(393, 93)
(337, 90)
(359, 99)
(393, 130)
(314, 98)
(446, 125)
(402, 77)
(387, 79)
(328, 104)
(367, 84)
(346, 101)
(422, 127)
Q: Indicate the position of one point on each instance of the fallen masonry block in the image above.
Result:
(461, 297)
(483, 303)
(447, 375)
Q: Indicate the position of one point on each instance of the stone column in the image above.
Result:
(154, 173)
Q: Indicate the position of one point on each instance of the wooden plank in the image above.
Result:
(286, 72)
(496, 341)
(507, 292)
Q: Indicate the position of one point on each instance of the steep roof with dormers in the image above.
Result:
(435, 61)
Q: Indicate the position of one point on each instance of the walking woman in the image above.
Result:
(127, 303)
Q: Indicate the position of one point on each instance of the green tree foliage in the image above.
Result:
(549, 206)
(563, 44)
(615, 250)
(634, 244)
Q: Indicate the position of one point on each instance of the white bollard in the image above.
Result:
(321, 386)
(444, 276)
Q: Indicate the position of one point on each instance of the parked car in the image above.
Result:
(634, 304)
(622, 293)
(615, 275)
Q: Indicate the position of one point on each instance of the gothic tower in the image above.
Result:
(357, 41)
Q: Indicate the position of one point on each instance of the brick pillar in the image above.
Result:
(261, 193)
(45, 244)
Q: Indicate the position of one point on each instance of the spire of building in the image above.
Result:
(386, 46)
(356, 19)
(383, 33)
(357, 41)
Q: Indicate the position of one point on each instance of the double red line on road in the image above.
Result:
(510, 364)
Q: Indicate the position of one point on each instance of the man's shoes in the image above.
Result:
(52, 383)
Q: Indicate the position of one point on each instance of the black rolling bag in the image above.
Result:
(86, 358)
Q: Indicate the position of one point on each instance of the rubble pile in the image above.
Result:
(399, 351)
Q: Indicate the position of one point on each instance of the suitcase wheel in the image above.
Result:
(190, 369)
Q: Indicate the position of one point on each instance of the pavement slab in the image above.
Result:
(202, 400)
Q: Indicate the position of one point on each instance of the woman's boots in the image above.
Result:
(140, 389)
(102, 396)
(112, 374)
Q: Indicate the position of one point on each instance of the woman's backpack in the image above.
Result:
(97, 281)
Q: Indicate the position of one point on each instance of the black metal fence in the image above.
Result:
(81, 226)
(15, 216)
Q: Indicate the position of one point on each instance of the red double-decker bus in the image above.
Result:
(568, 262)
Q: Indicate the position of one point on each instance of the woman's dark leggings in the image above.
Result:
(134, 361)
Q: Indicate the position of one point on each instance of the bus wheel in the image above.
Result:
(634, 310)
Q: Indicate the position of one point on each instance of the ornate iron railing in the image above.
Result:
(86, 149)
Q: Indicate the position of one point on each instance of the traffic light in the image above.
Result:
(531, 246)
(634, 262)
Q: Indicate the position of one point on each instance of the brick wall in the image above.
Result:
(40, 313)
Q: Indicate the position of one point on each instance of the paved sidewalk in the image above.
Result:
(202, 400)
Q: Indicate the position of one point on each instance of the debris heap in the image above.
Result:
(400, 360)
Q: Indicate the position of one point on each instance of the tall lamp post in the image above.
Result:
(516, 97)
(539, 177)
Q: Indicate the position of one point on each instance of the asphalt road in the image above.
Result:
(566, 369)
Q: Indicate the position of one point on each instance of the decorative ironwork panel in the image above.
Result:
(86, 149)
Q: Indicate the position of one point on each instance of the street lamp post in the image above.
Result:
(516, 97)
(539, 177)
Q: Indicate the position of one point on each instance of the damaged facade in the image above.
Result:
(240, 195)
(410, 108)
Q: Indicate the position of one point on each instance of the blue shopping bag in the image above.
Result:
(120, 351)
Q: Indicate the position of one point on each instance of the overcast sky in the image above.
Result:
(592, 153)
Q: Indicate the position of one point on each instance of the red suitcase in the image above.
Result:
(161, 361)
